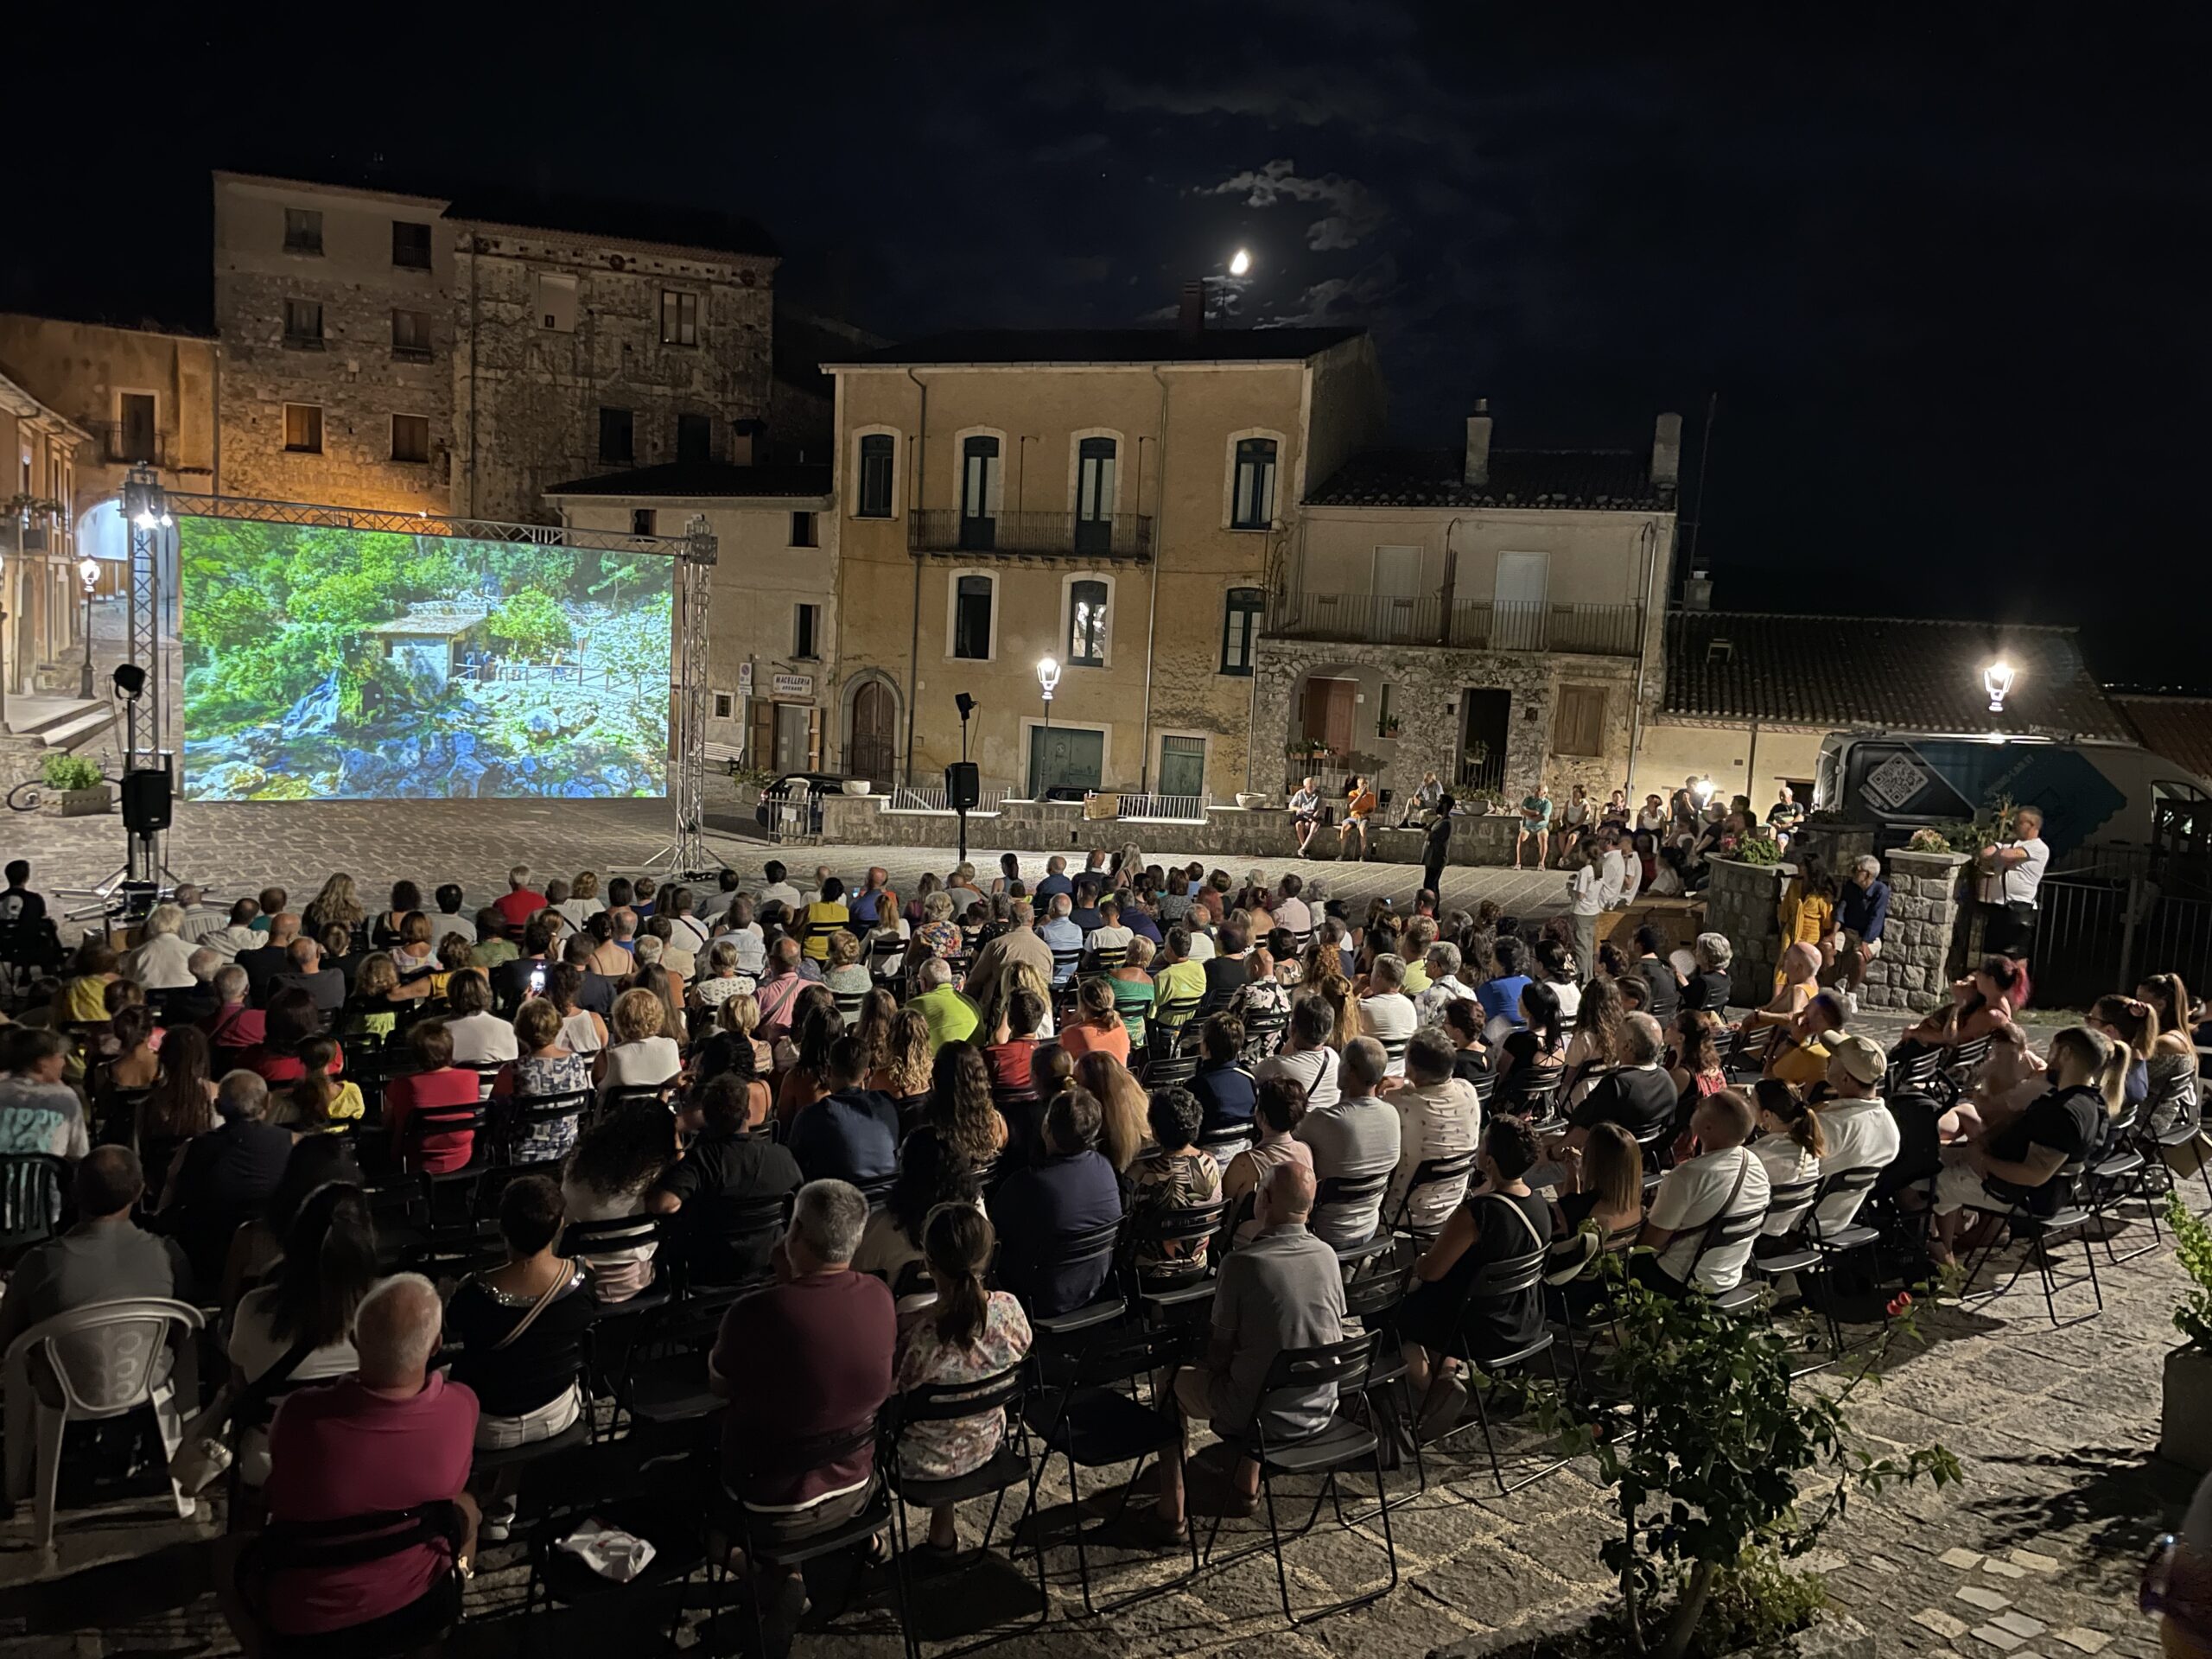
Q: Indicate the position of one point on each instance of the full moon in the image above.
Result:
(1239, 262)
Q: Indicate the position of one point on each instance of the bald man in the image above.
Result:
(395, 1435)
(1285, 1289)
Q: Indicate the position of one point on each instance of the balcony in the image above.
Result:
(1472, 624)
(1032, 535)
(124, 444)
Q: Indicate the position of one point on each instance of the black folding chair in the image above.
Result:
(1095, 1249)
(1527, 1091)
(1354, 1194)
(1500, 1285)
(1173, 1288)
(1008, 1468)
(1453, 1173)
(2037, 1229)
(2118, 1173)
(1263, 1034)
(1336, 1446)
(1083, 1407)
(516, 1117)
(1747, 1056)
(350, 1541)
(1915, 1074)
(1173, 1069)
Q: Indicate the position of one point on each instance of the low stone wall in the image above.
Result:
(1060, 826)
(1741, 901)
(1914, 968)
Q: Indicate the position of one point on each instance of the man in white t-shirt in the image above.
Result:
(738, 926)
(2011, 878)
(1306, 1054)
(774, 887)
(1386, 1012)
(1439, 1116)
(1858, 1127)
(1355, 1138)
(1613, 881)
(1291, 910)
(1724, 1179)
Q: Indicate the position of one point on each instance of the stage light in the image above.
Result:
(1703, 789)
(1239, 262)
(144, 520)
(965, 703)
(1997, 681)
(129, 679)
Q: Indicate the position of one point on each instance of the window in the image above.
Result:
(723, 704)
(679, 318)
(695, 437)
(1087, 624)
(614, 430)
(980, 479)
(303, 428)
(303, 230)
(971, 618)
(410, 335)
(1579, 726)
(803, 530)
(411, 245)
(1253, 506)
(135, 432)
(410, 437)
(1093, 495)
(1240, 625)
(645, 521)
(304, 324)
(553, 298)
(878, 456)
(806, 631)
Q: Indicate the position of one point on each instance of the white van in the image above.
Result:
(2093, 795)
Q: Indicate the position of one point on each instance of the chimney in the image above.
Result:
(1697, 591)
(1666, 450)
(1191, 321)
(1479, 443)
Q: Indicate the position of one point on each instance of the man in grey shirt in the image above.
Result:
(1357, 1136)
(105, 1257)
(1284, 1290)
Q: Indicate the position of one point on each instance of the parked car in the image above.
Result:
(787, 788)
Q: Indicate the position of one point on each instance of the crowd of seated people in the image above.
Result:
(922, 1130)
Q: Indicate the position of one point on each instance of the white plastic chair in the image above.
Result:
(104, 1360)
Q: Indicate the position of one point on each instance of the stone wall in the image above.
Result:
(1913, 970)
(1426, 684)
(1740, 901)
(526, 398)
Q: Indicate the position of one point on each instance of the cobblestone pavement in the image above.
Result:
(2034, 1557)
(236, 848)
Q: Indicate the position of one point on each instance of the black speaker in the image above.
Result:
(963, 786)
(145, 802)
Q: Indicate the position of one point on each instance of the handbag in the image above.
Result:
(546, 1298)
(203, 1455)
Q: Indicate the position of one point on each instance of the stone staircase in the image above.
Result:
(60, 722)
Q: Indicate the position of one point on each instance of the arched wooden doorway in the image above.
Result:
(871, 751)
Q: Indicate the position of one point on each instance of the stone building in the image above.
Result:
(1112, 499)
(334, 305)
(419, 353)
(772, 616)
(1487, 615)
(40, 594)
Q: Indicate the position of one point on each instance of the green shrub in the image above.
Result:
(64, 771)
(2193, 1248)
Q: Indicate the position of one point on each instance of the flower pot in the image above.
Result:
(856, 785)
(2184, 1422)
(86, 803)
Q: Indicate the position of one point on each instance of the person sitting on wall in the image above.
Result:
(1305, 814)
(1359, 806)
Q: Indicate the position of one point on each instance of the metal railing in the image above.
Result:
(907, 798)
(1164, 809)
(1471, 623)
(124, 445)
(947, 529)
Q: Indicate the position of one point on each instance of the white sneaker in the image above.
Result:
(1851, 1004)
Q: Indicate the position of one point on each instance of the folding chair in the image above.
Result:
(1372, 1298)
(1176, 1289)
(1095, 1248)
(1915, 1074)
(348, 1542)
(1340, 1445)
(1746, 1058)
(1170, 1069)
(1008, 1467)
(1263, 1034)
(848, 1005)
(2038, 1230)
(1499, 1284)
(1354, 1194)
(2120, 1172)
(1527, 1091)
(1453, 1172)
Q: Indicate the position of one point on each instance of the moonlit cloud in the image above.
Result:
(1354, 211)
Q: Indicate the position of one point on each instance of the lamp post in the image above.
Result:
(88, 572)
(1048, 680)
(1997, 680)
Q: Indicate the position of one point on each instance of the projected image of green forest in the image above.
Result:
(325, 663)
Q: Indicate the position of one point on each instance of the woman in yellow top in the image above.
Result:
(824, 917)
(83, 997)
(1807, 911)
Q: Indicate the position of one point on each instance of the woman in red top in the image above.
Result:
(437, 1082)
(292, 1021)
(1096, 1028)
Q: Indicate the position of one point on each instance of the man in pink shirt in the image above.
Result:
(393, 1437)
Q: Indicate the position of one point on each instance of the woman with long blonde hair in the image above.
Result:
(1335, 989)
(1125, 1111)
(336, 905)
(2172, 1061)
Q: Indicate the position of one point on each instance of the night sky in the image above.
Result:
(1947, 278)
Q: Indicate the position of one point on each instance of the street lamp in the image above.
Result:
(1997, 680)
(1048, 680)
(88, 572)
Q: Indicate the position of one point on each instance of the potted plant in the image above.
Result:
(1388, 726)
(77, 784)
(2184, 1427)
(1723, 1474)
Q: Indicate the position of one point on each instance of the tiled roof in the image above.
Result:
(1169, 345)
(1604, 480)
(1894, 673)
(681, 480)
(2180, 728)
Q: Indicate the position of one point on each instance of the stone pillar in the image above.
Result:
(1741, 901)
(1913, 971)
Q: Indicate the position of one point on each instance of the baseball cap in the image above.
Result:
(1861, 1057)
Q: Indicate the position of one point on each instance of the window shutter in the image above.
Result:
(814, 740)
(760, 748)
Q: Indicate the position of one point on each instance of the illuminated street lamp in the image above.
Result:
(1048, 680)
(88, 572)
(1997, 680)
